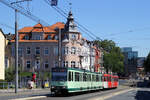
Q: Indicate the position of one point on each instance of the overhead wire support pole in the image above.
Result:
(16, 52)
(16, 45)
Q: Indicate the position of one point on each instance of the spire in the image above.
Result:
(70, 26)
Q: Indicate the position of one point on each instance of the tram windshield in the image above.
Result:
(59, 74)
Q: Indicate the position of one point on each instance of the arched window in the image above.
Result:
(73, 50)
(73, 64)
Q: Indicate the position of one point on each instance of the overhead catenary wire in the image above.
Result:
(5, 25)
(24, 12)
(81, 27)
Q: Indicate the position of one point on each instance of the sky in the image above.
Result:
(126, 22)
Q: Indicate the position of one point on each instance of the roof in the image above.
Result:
(40, 28)
(2, 32)
(9, 36)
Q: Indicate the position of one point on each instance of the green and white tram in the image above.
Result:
(68, 80)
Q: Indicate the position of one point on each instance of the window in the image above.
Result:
(28, 50)
(76, 76)
(97, 78)
(69, 77)
(56, 64)
(84, 77)
(49, 37)
(20, 51)
(73, 64)
(28, 64)
(79, 51)
(37, 64)
(56, 51)
(46, 51)
(56, 37)
(46, 64)
(65, 64)
(37, 50)
(37, 37)
(73, 50)
(26, 37)
(73, 36)
(66, 50)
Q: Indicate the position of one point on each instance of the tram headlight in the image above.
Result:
(64, 87)
(52, 87)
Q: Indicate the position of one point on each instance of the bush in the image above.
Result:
(3, 85)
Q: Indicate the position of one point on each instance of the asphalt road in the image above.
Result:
(45, 95)
(136, 94)
(83, 96)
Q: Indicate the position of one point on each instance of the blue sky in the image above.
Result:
(127, 22)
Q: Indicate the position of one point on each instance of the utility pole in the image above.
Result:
(16, 45)
(16, 54)
(59, 48)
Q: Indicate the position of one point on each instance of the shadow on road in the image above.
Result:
(142, 95)
(72, 94)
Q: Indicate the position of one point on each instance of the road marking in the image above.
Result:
(30, 98)
(111, 95)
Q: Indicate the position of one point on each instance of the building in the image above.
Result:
(140, 63)
(130, 60)
(38, 48)
(2, 55)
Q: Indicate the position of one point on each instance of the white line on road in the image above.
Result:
(30, 98)
(111, 95)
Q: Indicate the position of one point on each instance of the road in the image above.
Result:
(44, 94)
(136, 94)
(47, 96)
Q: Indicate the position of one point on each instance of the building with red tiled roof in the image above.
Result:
(38, 47)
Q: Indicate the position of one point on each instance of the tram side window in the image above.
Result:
(89, 77)
(69, 78)
(76, 76)
(105, 78)
(84, 77)
(94, 77)
(80, 77)
(97, 78)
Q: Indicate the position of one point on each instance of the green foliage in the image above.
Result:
(147, 64)
(113, 58)
(10, 74)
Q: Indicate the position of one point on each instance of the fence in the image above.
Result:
(11, 85)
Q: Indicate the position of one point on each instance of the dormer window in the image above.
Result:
(49, 37)
(26, 37)
(56, 37)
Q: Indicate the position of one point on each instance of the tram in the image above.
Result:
(69, 80)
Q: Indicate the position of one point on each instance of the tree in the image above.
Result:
(147, 64)
(10, 74)
(113, 58)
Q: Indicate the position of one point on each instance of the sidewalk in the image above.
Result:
(25, 90)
